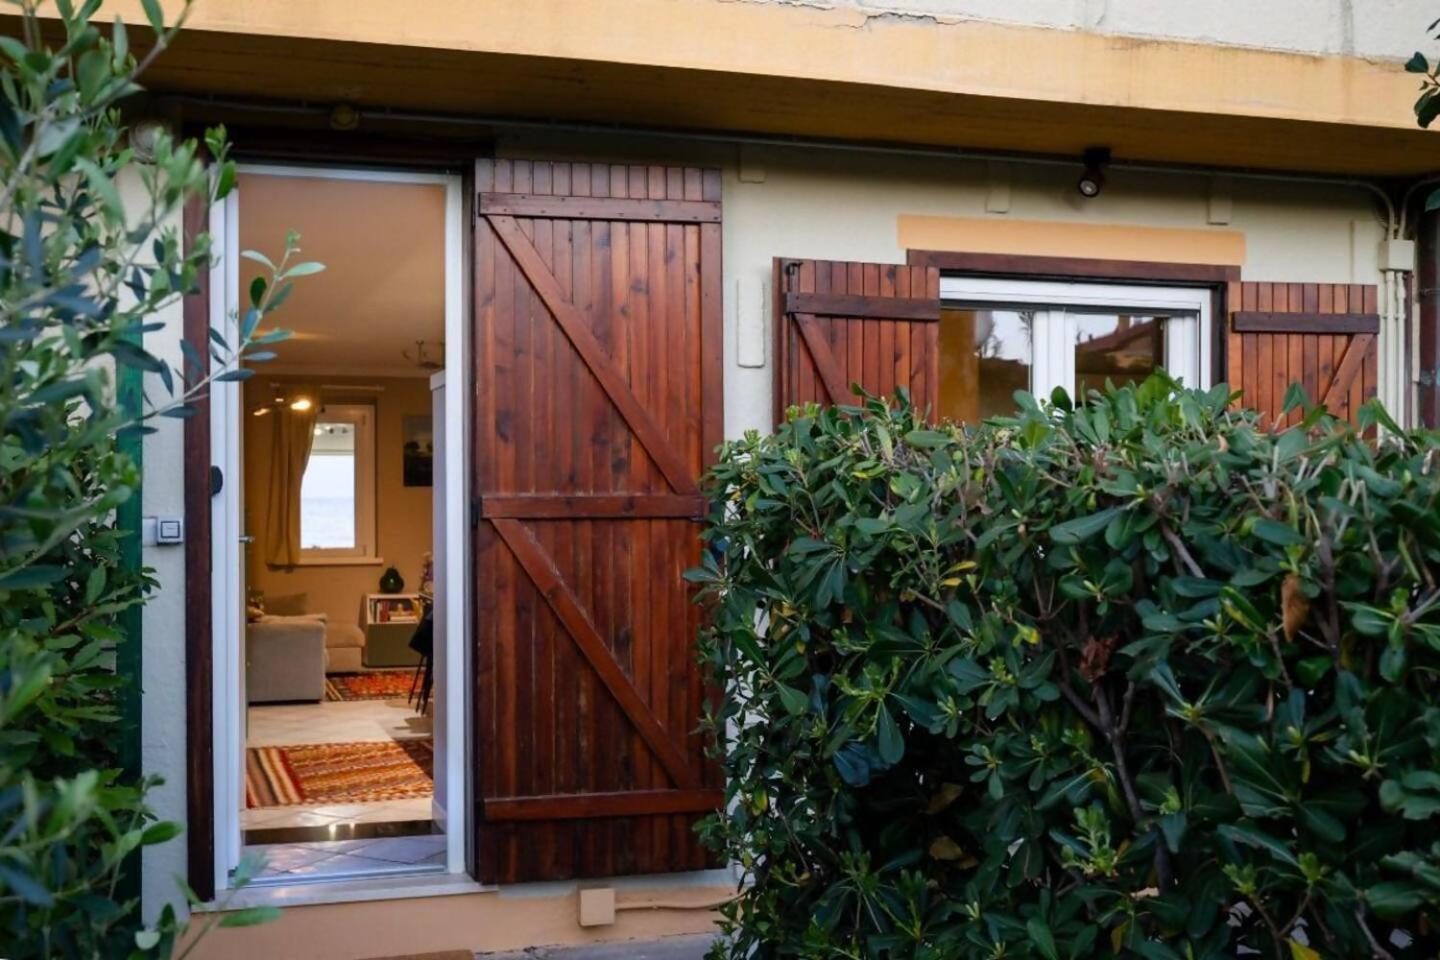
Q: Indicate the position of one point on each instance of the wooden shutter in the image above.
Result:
(1320, 335)
(838, 323)
(598, 379)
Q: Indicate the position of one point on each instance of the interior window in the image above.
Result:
(337, 490)
(327, 490)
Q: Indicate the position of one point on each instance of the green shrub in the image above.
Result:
(82, 275)
(1134, 679)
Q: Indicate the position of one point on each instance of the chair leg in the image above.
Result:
(427, 686)
(415, 680)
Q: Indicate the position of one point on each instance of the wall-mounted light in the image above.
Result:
(1092, 180)
(144, 136)
(344, 117)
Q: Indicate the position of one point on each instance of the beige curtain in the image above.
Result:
(292, 433)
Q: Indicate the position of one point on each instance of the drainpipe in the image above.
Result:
(1427, 235)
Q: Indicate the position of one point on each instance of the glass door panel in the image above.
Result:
(985, 356)
(1117, 347)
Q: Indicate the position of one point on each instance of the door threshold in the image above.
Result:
(291, 892)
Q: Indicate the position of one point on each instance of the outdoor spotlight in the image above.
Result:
(344, 117)
(145, 135)
(1092, 181)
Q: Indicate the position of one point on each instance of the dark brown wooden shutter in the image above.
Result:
(1320, 335)
(598, 404)
(839, 323)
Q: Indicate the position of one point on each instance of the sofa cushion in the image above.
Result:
(293, 618)
(343, 635)
(287, 605)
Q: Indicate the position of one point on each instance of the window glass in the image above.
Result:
(985, 356)
(1119, 347)
(327, 491)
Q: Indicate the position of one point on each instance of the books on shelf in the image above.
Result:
(393, 608)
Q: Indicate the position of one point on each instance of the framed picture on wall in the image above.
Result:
(419, 453)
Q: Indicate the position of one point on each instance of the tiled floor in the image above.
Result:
(321, 815)
(351, 858)
(348, 721)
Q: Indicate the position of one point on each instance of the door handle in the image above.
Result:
(247, 538)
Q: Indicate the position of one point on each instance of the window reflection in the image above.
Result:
(1122, 348)
(985, 356)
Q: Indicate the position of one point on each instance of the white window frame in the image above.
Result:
(366, 549)
(1058, 304)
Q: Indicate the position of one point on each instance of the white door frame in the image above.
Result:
(1187, 331)
(226, 412)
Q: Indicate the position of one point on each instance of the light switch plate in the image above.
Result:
(161, 531)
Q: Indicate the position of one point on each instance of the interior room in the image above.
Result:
(339, 453)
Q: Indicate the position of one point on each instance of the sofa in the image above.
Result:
(284, 659)
(344, 644)
(344, 648)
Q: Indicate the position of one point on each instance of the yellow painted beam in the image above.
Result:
(851, 46)
(1048, 238)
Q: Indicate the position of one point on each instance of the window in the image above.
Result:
(337, 492)
(999, 336)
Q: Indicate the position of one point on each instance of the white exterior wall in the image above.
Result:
(1377, 29)
(162, 680)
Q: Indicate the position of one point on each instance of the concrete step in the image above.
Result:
(670, 948)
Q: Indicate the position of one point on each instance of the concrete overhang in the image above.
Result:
(787, 69)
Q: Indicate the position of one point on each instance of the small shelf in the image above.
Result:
(392, 608)
(390, 620)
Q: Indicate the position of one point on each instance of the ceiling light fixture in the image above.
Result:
(1092, 180)
(301, 404)
(423, 360)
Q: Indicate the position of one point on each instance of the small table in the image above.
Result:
(389, 621)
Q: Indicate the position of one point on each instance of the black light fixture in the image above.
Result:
(1092, 180)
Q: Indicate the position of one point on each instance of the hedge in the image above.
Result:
(1138, 677)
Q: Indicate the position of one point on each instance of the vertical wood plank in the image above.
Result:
(885, 353)
(870, 287)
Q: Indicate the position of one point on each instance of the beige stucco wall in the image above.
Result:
(492, 921)
(1365, 28)
(850, 206)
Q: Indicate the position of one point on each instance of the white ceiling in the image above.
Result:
(383, 287)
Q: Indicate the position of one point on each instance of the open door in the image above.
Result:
(598, 405)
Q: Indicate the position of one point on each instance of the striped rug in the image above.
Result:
(338, 773)
(374, 685)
